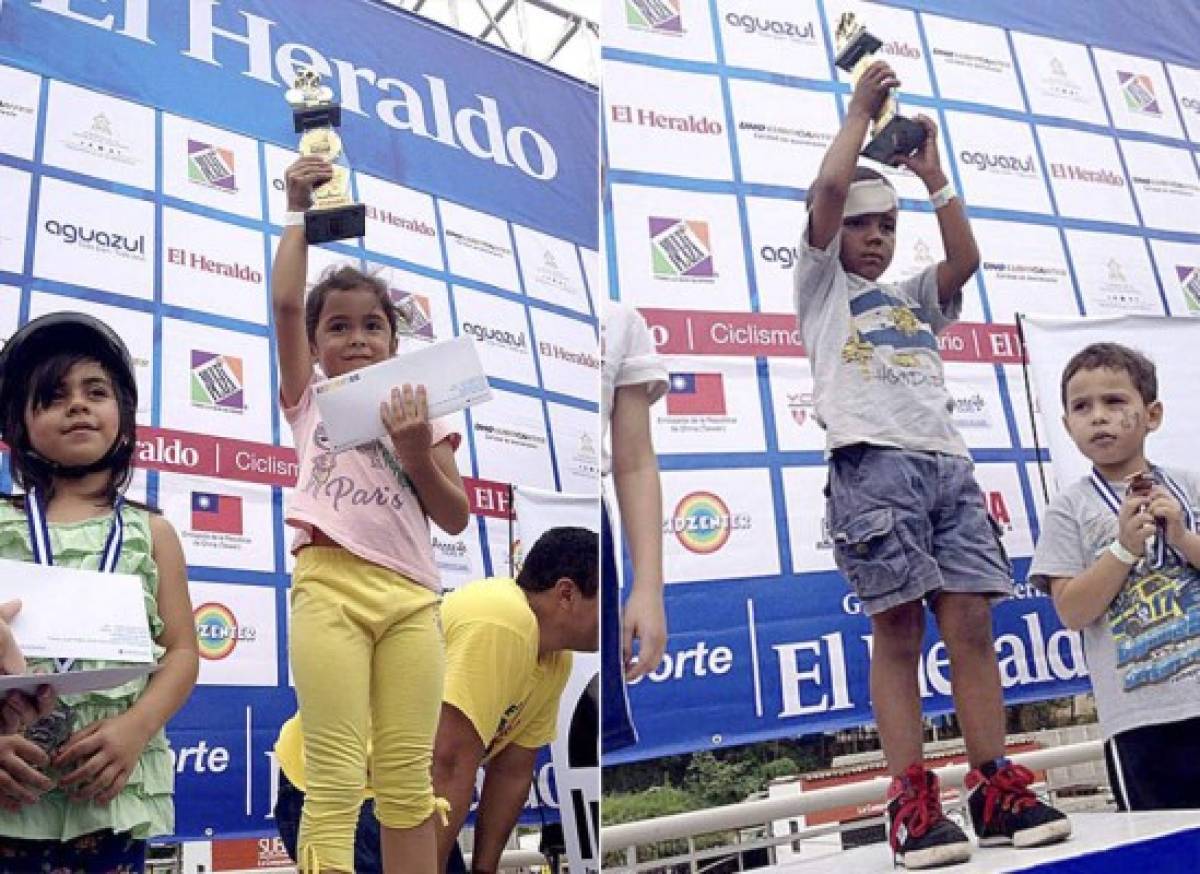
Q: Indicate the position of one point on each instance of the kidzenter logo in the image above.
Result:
(218, 631)
(703, 524)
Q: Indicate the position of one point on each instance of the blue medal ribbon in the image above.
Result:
(39, 541)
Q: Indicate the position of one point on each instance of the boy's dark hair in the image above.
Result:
(343, 277)
(562, 552)
(1114, 356)
(45, 377)
(861, 174)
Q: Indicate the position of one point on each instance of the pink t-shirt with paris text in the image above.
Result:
(361, 498)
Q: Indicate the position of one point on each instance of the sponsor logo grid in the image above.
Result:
(738, 434)
(222, 481)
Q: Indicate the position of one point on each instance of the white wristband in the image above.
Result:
(943, 195)
(1122, 554)
(292, 219)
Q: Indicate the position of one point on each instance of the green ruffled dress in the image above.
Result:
(144, 806)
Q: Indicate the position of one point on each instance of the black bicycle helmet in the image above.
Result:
(77, 334)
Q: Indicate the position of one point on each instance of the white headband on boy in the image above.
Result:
(869, 196)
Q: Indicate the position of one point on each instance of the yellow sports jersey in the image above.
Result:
(493, 674)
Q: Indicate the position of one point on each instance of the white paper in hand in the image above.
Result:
(450, 371)
(68, 613)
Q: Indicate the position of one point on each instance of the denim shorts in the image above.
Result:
(907, 525)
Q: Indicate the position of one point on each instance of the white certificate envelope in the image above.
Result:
(76, 682)
(450, 371)
(74, 614)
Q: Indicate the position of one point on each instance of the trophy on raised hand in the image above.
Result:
(891, 133)
(333, 214)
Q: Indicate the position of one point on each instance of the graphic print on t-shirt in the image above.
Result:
(890, 342)
(1155, 623)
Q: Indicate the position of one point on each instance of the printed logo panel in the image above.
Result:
(216, 381)
(459, 557)
(978, 413)
(576, 436)
(1179, 272)
(782, 133)
(235, 630)
(808, 522)
(568, 355)
(401, 222)
(1186, 83)
(423, 303)
(779, 38)
(712, 405)
(1001, 485)
(551, 270)
(679, 249)
(211, 167)
(972, 62)
(94, 239)
(14, 218)
(501, 334)
(718, 524)
(511, 444)
(793, 402)
(1114, 274)
(18, 111)
(213, 267)
(671, 122)
(221, 523)
(998, 163)
(99, 136)
(135, 328)
(478, 247)
(1137, 93)
(668, 28)
(1059, 79)
(1024, 269)
(776, 226)
(1086, 175)
(1165, 184)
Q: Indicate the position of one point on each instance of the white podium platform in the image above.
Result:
(1166, 842)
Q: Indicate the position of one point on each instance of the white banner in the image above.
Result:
(1170, 343)
(576, 759)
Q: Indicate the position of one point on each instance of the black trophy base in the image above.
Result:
(900, 136)
(336, 223)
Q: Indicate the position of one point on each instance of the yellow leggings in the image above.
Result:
(368, 659)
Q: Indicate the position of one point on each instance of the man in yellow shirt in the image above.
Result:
(508, 657)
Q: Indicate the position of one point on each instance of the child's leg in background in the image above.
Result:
(895, 695)
(331, 649)
(406, 695)
(965, 622)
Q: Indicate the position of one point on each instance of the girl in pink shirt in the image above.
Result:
(366, 645)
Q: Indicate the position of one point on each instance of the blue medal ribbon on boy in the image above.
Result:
(39, 541)
(1159, 548)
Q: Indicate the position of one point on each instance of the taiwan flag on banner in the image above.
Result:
(217, 514)
(696, 394)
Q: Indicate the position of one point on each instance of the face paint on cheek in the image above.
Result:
(1130, 420)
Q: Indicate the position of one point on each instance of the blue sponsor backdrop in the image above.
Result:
(781, 656)
(534, 137)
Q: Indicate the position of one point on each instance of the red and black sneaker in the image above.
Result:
(920, 834)
(1004, 811)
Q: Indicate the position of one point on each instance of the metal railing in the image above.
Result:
(628, 836)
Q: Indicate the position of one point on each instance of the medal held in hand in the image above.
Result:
(316, 115)
(891, 133)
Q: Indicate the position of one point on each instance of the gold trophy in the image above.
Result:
(333, 214)
(891, 133)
